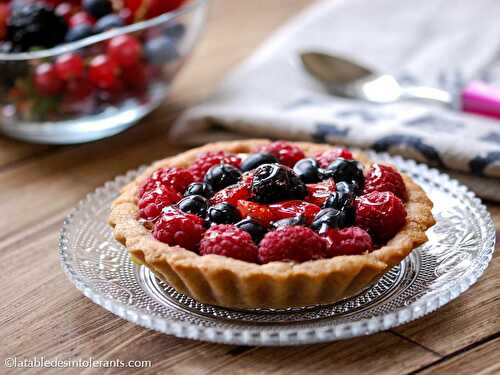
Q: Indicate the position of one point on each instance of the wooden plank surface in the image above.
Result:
(42, 313)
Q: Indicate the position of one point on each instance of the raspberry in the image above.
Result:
(288, 154)
(348, 241)
(208, 159)
(319, 193)
(287, 209)
(174, 178)
(295, 243)
(257, 211)
(231, 194)
(154, 201)
(382, 214)
(230, 241)
(385, 178)
(179, 228)
(324, 159)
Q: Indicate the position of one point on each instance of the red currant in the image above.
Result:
(69, 66)
(103, 72)
(125, 50)
(46, 80)
(81, 18)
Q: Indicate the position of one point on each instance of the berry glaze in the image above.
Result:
(255, 208)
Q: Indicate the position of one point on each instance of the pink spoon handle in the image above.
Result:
(482, 99)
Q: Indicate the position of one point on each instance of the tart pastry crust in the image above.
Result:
(227, 282)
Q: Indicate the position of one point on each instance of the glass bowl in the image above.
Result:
(89, 108)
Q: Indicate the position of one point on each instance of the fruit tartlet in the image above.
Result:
(260, 224)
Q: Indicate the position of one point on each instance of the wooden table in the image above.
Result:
(42, 313)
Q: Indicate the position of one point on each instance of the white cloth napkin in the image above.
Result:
(436, 42)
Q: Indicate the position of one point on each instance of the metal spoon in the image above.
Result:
(347, 78)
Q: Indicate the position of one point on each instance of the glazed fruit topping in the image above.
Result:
(154, 201)
(199, 188)
(174, 178)
(290, 209)
(295, 243)
(382, 214)
(346, 170)
(255, 160)
(179, 228)
(287, 153)
(324, 159)
(254, 228)
(221, 176)
(307, 170)
(230, 241)
(194, 204)
(223, 213)
(329, 218)
(382, 177)
(257, 211)
(347, 241)
(207, 160)
(275, 182)
(232, 194)
(267, 212)
(319, 193)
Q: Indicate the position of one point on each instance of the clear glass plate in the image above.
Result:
(459, 249)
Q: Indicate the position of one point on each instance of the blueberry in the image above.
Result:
(343, 201)
(175, 31)
(291, 221)
(255, 160)
(223, 213)
(307, 170)
(221, 176)
(346, 170)
(111, 21)
(328, 217)
(251, 226)
(275, 182)
(194, 204)
(79, 32)
(339, 200)
(199, 188)
(160, 50)
(98, 8)
(348, 187)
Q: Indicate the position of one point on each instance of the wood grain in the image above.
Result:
(43, 314)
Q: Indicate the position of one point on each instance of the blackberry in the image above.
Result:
(307, 170)
(35, 25)
(221, 176)
(275, 182)
(252, 227)
(255, 160)
(346, 170)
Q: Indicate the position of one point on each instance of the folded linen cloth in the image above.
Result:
(433, 42)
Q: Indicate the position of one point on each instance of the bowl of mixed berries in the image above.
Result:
(74, 71)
